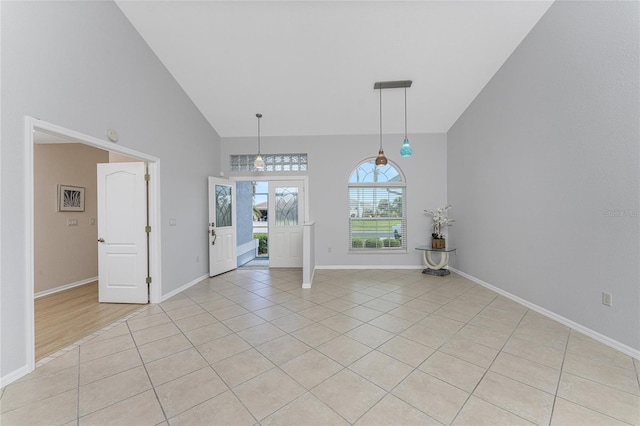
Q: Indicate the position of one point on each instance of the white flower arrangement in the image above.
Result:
(440, 221)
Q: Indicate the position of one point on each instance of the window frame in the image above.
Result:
(399, 184)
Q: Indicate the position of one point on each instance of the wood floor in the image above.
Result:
(68, 316)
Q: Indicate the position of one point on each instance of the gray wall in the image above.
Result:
(244, 211)
(543, 170)
(332, 159)
(244, 218)
(82, 66)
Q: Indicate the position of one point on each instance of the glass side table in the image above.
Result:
(433, 268)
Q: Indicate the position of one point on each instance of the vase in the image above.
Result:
(438, 243)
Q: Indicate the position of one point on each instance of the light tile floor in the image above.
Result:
(381, 347)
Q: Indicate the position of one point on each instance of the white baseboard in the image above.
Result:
(634, 353)
(13, 376)
(369, 267)
(64, 287)
(183, 288)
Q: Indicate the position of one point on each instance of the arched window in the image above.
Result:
(377, 206)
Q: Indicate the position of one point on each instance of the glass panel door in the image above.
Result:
(224, 212)
(286, 201)
(286, 205)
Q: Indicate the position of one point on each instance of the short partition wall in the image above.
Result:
(308, 254)
(247, 252)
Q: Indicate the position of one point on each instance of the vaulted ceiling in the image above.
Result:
(310, 66)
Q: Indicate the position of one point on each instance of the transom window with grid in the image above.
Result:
(377, 205)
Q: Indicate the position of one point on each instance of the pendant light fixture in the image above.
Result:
(259, 162)
(406, 149)
(381, 160)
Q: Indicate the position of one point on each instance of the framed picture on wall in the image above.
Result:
(70, 198)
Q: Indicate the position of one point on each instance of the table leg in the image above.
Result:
(428, 261)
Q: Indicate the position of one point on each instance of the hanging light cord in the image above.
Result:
(380, 118)
(259, 117)
(405, 113)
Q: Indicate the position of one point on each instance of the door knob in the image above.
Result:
(101, 240)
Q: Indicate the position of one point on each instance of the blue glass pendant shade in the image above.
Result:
(406, 149)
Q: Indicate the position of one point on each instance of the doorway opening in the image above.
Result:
(260, 224)
(271, 212)
(34, 129)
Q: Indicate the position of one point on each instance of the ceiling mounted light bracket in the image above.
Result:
(406, 149)
(392, 84)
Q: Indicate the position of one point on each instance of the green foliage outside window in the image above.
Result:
(371, 242)
(263, 243)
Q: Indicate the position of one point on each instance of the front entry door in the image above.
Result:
(222, 226)
(122, 237)
(286, 217)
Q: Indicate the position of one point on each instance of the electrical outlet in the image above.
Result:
(72, 222)
(606, 299)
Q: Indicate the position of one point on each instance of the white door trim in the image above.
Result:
(31, 124)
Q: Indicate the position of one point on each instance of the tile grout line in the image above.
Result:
(564, 357)
(562, 372)
(489, 368)
(229, 388)
(417, 368)
(275, 365)
(123, 371)
(371, 351)
(279, 367)
(144, 365)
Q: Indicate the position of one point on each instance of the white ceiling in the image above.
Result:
(309, 66)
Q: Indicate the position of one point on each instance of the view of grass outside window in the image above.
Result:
(376, 208)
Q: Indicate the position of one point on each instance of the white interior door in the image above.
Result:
(122, 237)
(222, 226)
(286, 217)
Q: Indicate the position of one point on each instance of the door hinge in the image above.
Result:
(147, 177)
(147, 229)
(148, 280)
